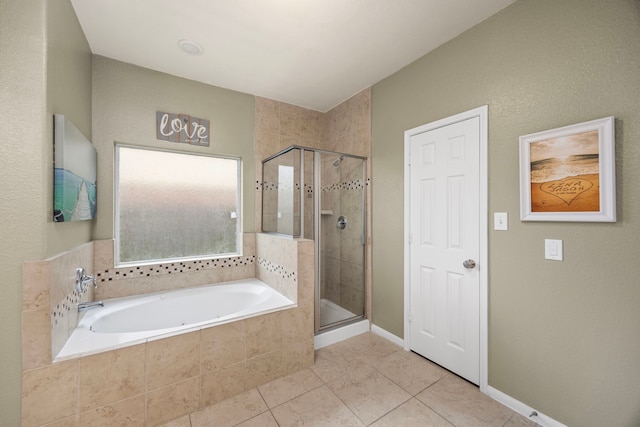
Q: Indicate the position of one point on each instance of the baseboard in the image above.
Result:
(522, 409)
(340, 334)
(388, 335)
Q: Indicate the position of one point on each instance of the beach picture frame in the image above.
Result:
(568, 173)
(75, 174)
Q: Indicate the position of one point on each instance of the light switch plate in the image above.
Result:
(500, 221)
(553, 249)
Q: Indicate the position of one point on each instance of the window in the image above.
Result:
(175, 206)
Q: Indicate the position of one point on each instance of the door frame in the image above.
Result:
(483, 265)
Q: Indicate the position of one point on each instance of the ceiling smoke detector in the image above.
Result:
(192, 48)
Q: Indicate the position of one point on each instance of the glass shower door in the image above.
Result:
(340, 186)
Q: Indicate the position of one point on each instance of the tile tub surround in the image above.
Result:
(49, 303)
(137, 280)
(160, 380)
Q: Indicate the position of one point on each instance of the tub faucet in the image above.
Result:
(82, 280)
(89, 305)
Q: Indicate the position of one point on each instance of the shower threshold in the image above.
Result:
(332, 313)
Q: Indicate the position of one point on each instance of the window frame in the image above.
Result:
(116, 208)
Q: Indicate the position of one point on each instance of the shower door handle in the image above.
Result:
(342, 222)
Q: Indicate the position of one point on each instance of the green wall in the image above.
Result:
(125, 101)
(68, 93)
(46, 69)
(563, 336)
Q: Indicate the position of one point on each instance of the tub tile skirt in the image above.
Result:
(169, 377)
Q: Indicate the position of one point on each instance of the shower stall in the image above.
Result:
(321, 195)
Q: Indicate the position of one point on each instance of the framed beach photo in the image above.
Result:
(568, 174)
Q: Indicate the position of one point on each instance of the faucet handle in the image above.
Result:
(82, 280)
(80, 273)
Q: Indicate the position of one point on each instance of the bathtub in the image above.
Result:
(138, 319)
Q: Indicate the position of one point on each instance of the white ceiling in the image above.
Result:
(311, 53)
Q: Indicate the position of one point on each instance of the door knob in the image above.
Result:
(469, 264)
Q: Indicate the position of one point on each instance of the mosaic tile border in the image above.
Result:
(308, 188)
(357, 184)
(66, 305)
(280, 186)
(172, 267)
(272, 267)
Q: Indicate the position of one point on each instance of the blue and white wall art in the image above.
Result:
(74, 193)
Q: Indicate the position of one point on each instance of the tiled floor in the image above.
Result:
(363, 381)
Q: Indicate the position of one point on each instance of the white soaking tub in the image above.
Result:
(138, 319)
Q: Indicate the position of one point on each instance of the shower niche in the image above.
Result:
(320, 195)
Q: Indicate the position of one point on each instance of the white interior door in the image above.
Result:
(444, 246)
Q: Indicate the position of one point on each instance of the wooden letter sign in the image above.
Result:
(182, 128)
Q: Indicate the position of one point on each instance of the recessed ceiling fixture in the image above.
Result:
(192, 48)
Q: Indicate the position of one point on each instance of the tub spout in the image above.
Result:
(89, 305)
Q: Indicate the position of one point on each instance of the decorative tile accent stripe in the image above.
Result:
(308, 188)
(275, 268)
(269, 185)
(172, 267)
(349, 185)
(279, 186)
(68, 303)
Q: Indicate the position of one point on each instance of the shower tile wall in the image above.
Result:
(349, 126)
(342, 260)
(330, 251)
(346, 129)
(278, 126)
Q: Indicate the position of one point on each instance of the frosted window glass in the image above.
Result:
(175, 205)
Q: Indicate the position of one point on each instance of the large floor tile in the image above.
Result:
(368, 393)
(462, 404)
(286, 388)
(230, 412)
(367, 348)
(319, 407)
(331, 363)
(412, 413)
(410, 371)
(263, 420)
(183, 421)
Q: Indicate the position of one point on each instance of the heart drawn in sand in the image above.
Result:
(567, 189)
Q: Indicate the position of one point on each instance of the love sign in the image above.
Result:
(182, 128)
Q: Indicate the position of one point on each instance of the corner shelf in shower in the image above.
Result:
(326, 212)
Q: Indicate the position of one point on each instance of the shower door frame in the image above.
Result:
(317, 172)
